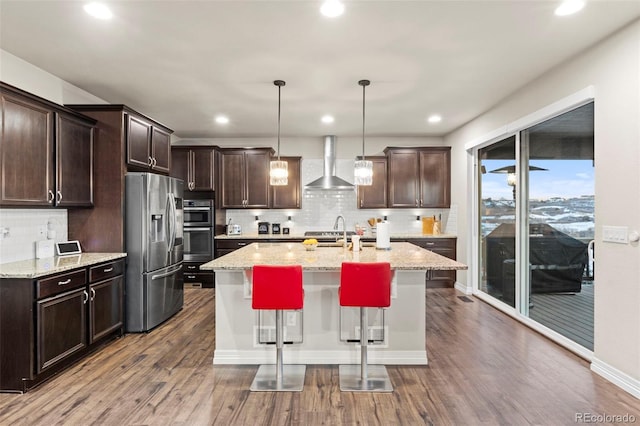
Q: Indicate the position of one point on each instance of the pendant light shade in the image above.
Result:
(363, 170)
(278, 169)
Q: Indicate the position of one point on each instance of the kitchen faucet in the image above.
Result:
(344, 230)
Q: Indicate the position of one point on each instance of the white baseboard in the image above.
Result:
(252, 357)
(617, 377)
(468, 290)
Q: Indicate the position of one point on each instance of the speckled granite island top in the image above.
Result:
(34, 268)
(298, 236)
(402, 256)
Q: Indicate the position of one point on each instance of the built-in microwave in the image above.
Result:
(198, 213)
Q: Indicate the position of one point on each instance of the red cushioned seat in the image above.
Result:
(365, 284)
(277, 287)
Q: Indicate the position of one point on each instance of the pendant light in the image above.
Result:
(278, 170)
(363, 171)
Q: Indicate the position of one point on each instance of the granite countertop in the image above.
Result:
(34, 268)
(254, 236)
(402, 256)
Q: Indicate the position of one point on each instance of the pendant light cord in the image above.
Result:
(364, 84)
(279, 88)
(279, 83)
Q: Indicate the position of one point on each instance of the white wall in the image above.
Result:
(23, 224)
(613, 68)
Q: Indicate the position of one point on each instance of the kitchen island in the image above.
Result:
(323, 332)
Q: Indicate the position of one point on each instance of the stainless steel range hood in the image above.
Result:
(329, 180)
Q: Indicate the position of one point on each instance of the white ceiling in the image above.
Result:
(183, 62)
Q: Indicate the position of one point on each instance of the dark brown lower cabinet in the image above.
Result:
(442, 246)
(50, 322)
(106, 308)
(193, 275)
(61, 327)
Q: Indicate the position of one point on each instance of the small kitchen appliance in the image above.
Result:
(263, 228)
(234, 229)
(275, 228)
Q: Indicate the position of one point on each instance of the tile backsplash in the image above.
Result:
(320, 209)
(21, 228)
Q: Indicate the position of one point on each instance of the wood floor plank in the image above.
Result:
(484, 368)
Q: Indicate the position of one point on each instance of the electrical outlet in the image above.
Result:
(4, 233)
(615, 234)
(291, 319)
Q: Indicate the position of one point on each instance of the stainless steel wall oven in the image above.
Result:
(198, 240)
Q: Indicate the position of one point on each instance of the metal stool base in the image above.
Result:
(377, 379)
(292, 379)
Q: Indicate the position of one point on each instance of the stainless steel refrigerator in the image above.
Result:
(154, 218)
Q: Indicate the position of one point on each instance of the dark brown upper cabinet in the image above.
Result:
(244, 175)
(195, 166)
(288, 196)
(46, 154)
(148, 145)
(374, 196)
(419, 177)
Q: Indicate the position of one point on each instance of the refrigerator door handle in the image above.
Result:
(166, 274)
(171, 222)
(174, 220)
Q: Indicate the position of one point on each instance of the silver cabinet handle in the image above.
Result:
(421, 202)
(86, 297)
(242, 244)
(150, 162)
(59, 197)
(360, 203)
(107, 269)
(431, 244)
(50, 197)
(93, 294)
(65, 282)
(155, 162)
(417, 202)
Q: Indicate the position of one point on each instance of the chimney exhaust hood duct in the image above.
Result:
(329, 180)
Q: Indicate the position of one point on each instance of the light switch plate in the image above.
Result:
(615, 234)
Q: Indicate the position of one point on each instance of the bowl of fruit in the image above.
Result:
(310, 244)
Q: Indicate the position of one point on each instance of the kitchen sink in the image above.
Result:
(327, 234)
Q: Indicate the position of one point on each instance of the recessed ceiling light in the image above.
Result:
(222, 119)
(434, 119)
(98, 10)
(332, 8)
(327, 119)
(569, 7)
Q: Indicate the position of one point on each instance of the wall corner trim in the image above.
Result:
(617, 377)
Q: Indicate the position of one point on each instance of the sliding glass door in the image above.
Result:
(536, 223)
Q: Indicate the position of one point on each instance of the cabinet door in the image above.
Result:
(435, 178)
(288, 196)
(403, 178)
(257, 178)
(26, 151)
(138, 142)
(375, 196)
(160, 150)
(61, 327)
(180, 165)
(233, 180)
(202, 169)
(106, 313)
(74, 162)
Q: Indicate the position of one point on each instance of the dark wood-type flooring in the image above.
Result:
(484, 368)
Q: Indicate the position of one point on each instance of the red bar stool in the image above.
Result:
(278, 288)
(365, 285)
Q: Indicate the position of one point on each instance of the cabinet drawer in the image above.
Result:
(59, 283)
(232, 244)
(435, 243)
(199, 277)
(106, 270)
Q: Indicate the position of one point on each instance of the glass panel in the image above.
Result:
(497, 219)
(561, 200)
